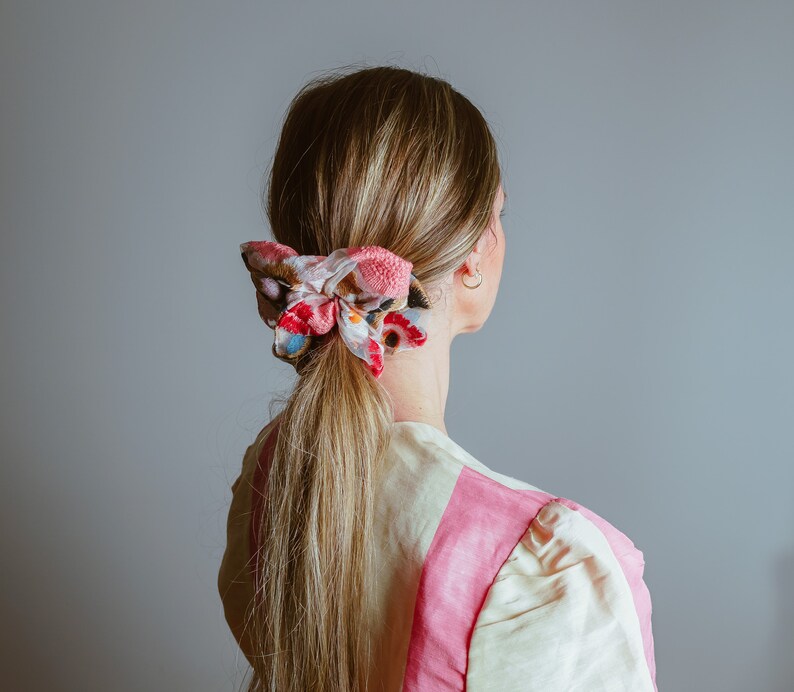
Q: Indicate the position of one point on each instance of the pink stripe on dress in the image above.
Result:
(481, 524)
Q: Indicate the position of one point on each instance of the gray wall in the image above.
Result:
(644, 324)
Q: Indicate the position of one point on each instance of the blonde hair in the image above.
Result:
(376, 156)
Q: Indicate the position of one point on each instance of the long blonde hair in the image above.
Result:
(374, 156)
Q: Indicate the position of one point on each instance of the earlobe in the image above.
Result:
(477, 276)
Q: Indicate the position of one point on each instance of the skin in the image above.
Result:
(418, 379)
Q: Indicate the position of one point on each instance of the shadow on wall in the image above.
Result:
(781, 646)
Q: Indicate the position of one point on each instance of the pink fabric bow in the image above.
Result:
(369, 292)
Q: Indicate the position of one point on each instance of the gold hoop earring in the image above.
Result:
(478, 275)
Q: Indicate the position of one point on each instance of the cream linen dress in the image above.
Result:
(486, 583)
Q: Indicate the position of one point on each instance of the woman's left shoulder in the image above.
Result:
(621, 545)
(568, 608)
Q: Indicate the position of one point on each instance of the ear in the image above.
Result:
(475, 257)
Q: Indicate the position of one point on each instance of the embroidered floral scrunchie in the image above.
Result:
(369, 292)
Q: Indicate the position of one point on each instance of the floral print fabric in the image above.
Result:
(369, 292)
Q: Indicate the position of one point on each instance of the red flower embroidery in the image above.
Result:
(376, 358)
(399, 332)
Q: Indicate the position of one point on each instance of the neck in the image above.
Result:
(418, 381)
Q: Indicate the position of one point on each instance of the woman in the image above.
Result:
(366, 549)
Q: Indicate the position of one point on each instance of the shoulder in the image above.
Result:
(567, 609)
(424, 446)
(234, 581)
(567, 520)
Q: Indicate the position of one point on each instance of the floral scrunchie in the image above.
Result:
(369, 292)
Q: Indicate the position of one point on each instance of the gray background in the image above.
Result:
(638, 359)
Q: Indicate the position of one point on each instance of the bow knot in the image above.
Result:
(368, 292)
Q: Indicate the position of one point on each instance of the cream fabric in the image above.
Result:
(559, 615)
